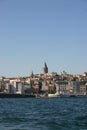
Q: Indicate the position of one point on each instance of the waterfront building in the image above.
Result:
(15, 88)
(82, 89)
(10, 88)
(44, 87)
(62, 87)
(2, 78)
(76, 87)
(19, 87)
(69, 88)
(86, 88)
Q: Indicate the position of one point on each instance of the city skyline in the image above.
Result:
(34, 32)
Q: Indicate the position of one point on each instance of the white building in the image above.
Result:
(10, 88)
(19, 87)
(15, 88)
(44, 87)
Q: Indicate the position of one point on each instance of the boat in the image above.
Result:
(53, 95)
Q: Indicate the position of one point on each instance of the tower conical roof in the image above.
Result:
(45, 68)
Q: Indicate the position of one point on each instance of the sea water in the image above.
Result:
(43, 114)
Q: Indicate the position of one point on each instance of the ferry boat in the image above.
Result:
(54, 95)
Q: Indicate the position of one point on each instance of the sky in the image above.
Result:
(36, 31)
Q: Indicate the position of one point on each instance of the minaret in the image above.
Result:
(31, 74)
(45, 69)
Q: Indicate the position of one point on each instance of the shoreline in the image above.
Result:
(16, 95)
(3, 95)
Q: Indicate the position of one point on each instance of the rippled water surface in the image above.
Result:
(43, 114)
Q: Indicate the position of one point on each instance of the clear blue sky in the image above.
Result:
(36, 31)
